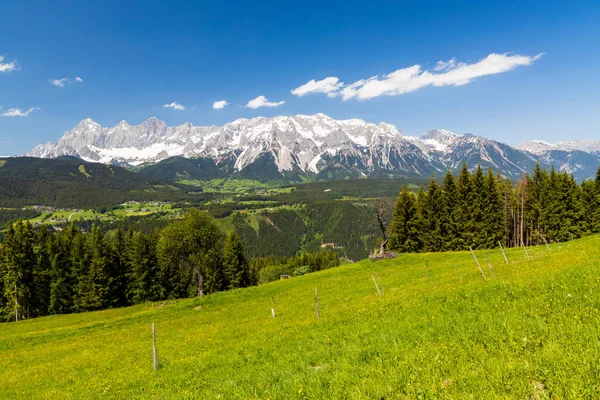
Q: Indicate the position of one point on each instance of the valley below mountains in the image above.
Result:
(308, 146)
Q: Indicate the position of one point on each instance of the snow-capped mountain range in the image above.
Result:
(311, 144)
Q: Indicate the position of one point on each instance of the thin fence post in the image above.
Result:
(154, 355)
(376, 286)
(273, 307)
(526, 252)
(426, 269)
(546, 243)
(503, 252)
(477, 262)
(317, 304)
(489, 266)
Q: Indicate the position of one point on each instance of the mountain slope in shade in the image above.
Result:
(302, 145)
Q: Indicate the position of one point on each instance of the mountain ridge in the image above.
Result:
(312, 145)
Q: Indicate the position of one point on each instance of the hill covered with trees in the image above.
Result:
(72, 182)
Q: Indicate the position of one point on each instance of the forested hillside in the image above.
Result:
(43, 273)
(71, 182)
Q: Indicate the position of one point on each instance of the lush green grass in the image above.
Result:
(530, 331)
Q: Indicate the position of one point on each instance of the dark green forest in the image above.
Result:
(480, 210)
(73, 183)
(43, 273)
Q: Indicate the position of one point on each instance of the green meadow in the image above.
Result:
(438, 330)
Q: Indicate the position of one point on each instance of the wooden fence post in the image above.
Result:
(526, 252)
(489, 266)
(477, 262)
(376, 286)
(546, 243)
(503, 252)
(317, 304)
(154, 355)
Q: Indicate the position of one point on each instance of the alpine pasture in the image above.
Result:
(437, 330)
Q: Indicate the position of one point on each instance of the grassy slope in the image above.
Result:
(530, 330)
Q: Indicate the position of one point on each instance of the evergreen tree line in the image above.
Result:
(44, 272)
(480, 210)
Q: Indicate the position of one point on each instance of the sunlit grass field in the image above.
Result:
(531, 330)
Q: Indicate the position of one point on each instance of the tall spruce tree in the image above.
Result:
(97, 280)
(464, 209)
(118, 268)
(145, 281)
(480, 199)
(433, 240)
(42, 272)
(404, 233)
(537, 201)
(18, 263)
(447, 222)
(237, 271)
(493, 212)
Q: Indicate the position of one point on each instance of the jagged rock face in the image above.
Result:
(312, 144)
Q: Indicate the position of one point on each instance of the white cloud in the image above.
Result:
(58, 82)
(174, 105)
(62, 81)
(262, 101)
(8, 66)
(410, 79)
(219, 105)
(447, 65)
(329, 85)
(15, 112)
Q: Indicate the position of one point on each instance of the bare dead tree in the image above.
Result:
(383, 212)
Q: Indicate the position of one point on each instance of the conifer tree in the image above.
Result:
(117, 270)
(421, 223)
(80, 267)
(42, 272)
(144, 276)
(537, 200)
(18, 263)
(464, 209)
(447, 221)
(403, 230)
(588, 205)
(235, 265)
(480, 199)
(433, 237)
(96, 281)
(493, 212)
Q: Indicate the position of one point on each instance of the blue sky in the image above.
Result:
(135, 57)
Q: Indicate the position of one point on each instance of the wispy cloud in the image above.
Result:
(8, 66)
(174, 105)
(63, 81)
(262, 101)
(219, 105)
(411, 79)
(15, 112)
(329, 86)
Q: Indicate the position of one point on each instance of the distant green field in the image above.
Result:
(128, 210)
(441, 331)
